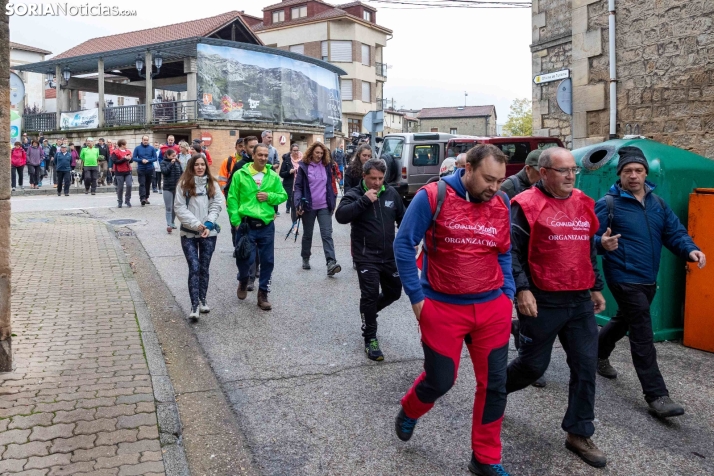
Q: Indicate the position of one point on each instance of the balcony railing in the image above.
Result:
(381, 69)
(125, 115)
(46, 121)
(169, 112)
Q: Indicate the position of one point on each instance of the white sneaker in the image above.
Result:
(203, 307)
(193, 317)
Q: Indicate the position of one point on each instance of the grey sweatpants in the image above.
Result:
(123, 180)
(324, 219)
(169, 204)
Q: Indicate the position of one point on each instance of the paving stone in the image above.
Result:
(96, 426)
(11, 465)
(55, 407)
(142, 469)
(117, 461)
(82, 414)
(96, 402)
(115, 437)
(135, 421)
(67, 445)
(139, 446)
(40, 462)
(148, 432)
(35, 448)
(151, 456)
(4, 423)
(72, 469)
(139, 397)
(38, 419)
(118, 410)
(94, 453)
(14, 436)
(102, 472)
(47, 433)
(145, 407)
(33, 472)
(21, 410)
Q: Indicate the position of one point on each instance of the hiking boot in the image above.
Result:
(242, 289)
(263, 300)
(251, 284)
(540, 383)
(586, 449)
(193, 316)
(203, 307)
(483, 469)
(333, 268)
(306, 263)
(128, 204)
(373, 351)
(404, 425)
(664, 407)
(119, 204)
(143, 202)
(605, 369)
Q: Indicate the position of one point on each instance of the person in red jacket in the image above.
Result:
(121, 160)
(18, 159)
(464, 293)
(559, 289)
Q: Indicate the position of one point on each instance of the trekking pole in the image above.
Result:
(297, 230)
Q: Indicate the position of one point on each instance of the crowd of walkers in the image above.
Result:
(469, 248)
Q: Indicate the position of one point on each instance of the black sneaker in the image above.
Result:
(128, 204)
(486, 469)
(540, 383)
(333, 268)
(605, 369)
(404, 425)
(664, 407)
(306, 263)
(373, 351)
(143, 202)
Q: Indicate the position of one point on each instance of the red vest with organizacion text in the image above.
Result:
(468, 238)
(559, 247)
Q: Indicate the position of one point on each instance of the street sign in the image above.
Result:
(564, 96)
(207, 138)
(549, 77)
(17, 89)
(329, 132)
(373, 121)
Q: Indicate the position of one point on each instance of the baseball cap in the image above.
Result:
(532, 158)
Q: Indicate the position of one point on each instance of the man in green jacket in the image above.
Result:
(90, 166)
(255, 190)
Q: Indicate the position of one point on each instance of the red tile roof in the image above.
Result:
(175, 32)
(467, 111)
(327, 14)
(356, 4)
(18, 46)
(287, 3)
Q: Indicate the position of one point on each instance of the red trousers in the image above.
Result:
(486, 329)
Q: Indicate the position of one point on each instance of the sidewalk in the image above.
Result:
(81, 399)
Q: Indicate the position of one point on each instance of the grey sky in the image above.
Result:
(434, 56)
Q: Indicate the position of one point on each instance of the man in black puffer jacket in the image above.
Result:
(171, 170)
(373, 209)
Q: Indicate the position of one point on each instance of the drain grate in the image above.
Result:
(123, 221)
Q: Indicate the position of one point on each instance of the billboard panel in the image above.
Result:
(244, 85)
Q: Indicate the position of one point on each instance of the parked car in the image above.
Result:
(516, 148)
(415, 159)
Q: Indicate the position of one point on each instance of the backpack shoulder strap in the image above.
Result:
(610, 202)
(440, 197)
(660, 200)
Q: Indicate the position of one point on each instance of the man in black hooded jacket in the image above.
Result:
(373, 208)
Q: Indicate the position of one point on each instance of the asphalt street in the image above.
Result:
(310, 403)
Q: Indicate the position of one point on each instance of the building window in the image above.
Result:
(452, 130)
(278, 16)
(298, 12)
(299, 49)
(354, 125)
(346, 89)
(367, 16)
(366, 92)
(340, 51)
(323, 51)
(365, 55)
(120, 101)
(434, 129)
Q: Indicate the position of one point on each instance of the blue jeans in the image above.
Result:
(342, 174)
(198, 253)
(264, 239)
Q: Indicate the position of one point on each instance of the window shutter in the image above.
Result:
(366, 92)
(300, 49)
(346, 87)
(365, 55)
(323, 50)
(341, 51)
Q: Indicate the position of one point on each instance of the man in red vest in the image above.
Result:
(464, 293)
(558, 291)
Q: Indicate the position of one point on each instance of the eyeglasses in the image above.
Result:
(566, 172)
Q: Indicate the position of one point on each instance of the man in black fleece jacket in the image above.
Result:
(373, 209)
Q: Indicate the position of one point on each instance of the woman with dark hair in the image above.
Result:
(121, 163)
(198, 202)
(314, 199)
(353, 174)
(35, 156)
(171, 170)
(18, 159)
(288, 170)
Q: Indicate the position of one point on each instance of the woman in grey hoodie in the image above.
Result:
(35, 156)
(198, 202)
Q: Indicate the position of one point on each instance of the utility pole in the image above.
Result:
(465, 94)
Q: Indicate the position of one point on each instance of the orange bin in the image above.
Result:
(699, 300)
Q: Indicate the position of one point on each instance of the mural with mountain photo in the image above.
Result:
(244, 85)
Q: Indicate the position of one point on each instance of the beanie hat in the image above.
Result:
(629, 155)
(533, 157)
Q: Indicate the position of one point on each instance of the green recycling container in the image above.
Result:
(676, 173)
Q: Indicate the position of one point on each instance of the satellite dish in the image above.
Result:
(17, 89)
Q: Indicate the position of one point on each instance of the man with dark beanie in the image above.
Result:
(633, 218)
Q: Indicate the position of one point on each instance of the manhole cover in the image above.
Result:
(123, 221)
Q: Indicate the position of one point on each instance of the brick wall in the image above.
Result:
(223, 145)
(313, 49)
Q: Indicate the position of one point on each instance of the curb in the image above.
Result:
(170, 431)
(50, 190)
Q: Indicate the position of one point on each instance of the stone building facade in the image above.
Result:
(5, 272)
(461, 120)
(665, 70)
